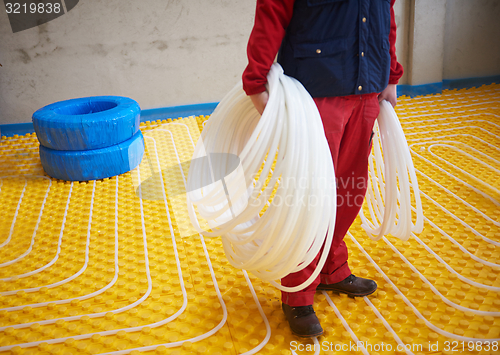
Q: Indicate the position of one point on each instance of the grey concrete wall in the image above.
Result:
(173, 52)
(451, 39)
(402, 17)
(160, 53)
(472, 39)
(425, 41)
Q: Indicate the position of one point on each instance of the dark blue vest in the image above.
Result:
(338, 47)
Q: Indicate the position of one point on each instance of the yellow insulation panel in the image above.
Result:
(114, 266)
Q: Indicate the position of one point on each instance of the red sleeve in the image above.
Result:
(396, 68)
(271, 20)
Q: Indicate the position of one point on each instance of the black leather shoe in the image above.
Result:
(352, 286)
(303, 321)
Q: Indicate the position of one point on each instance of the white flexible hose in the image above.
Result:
(390, 177)
(273, 220)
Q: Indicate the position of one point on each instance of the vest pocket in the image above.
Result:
(321, 66)
(319, 50)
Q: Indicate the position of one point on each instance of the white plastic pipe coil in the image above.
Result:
(300, 216)
(390, 177)
(273, 222)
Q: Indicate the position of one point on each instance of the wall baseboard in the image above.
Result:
(468, 83)
(419, 90)
(447, 84)
(153, 114)
(162, 113)
(10, 130)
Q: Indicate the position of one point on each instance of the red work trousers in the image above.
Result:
(348, 122)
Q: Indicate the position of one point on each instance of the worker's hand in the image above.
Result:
(260, 101)
(389, 94)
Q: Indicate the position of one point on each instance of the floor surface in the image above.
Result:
(106, 267)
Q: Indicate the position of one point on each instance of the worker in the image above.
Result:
(343, 53)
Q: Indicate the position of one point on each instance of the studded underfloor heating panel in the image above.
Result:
(106, 267)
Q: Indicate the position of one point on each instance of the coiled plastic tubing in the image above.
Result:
(266, 184)
(274, 220)
(390, 177)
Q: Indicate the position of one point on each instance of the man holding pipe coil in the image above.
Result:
(343, 52)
